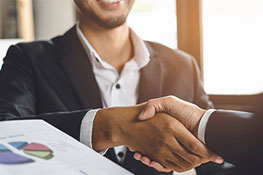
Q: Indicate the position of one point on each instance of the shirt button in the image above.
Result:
(120, 154)
(118, 86)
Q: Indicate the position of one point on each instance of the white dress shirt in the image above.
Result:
(203, 123)
(115, 89)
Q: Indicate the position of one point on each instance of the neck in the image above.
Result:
(113, 45)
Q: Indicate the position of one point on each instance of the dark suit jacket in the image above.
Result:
(53, 80)
(238, 138)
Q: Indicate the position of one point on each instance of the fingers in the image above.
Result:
(179, 162)
(175, 146)
(137, 156)
(131, 149)
(173, 151)
(147, 113)
(176, 163)
(176, 167)
(145, 160)
(187, 113)
(164, 104)
(219, 160)
(194, 146)
(159, 167)
(192, 159)
(215, 158)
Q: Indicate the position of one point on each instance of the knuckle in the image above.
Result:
(185, 166)
(196, 160)
(170, 128)
(150, 102)
(175, 148)
(194, 147)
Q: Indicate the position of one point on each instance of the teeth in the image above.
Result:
(110, 1)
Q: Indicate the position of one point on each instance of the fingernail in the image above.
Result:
(219, 160)
(136, 156)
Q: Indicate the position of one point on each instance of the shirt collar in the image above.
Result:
(94, 56)
(141, 53)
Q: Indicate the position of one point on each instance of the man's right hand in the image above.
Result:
(187, 113)
(162, 138)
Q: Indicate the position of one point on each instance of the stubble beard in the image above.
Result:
(108, 23)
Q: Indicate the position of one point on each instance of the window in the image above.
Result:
(155, 20)
(4, 45)
(232, 46)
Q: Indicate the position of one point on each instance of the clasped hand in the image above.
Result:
(169, 142)
(163, 136)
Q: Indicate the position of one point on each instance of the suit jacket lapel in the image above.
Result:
(151, 79)
(75, 63)
(150, 86)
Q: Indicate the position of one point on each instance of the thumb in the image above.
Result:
(216, 159)
(219, 160)
(147, 113)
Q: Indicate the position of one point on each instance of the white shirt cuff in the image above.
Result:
(86, 129)
(203, 123)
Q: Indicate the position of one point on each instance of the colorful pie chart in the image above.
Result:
(33, 149)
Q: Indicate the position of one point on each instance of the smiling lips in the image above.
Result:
(110, 4)
(109, 1)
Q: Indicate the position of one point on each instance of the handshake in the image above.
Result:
(162, 132)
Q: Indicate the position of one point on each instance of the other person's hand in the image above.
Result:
(187, 113)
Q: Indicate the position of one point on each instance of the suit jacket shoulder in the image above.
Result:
(33, 84)
(169, 55)
(180, 74)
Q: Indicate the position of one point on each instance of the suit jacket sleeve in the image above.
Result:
(237, 137)
(18, 97)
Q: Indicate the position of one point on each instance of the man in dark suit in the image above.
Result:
(99, 63)
(236, 136)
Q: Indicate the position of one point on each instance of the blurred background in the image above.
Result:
(224, 36)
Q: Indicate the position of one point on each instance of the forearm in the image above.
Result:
(109, 126)
(68, 122)
(239, 130)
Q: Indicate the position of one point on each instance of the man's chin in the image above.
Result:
(111, 23)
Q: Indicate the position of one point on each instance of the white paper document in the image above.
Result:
(34, 147)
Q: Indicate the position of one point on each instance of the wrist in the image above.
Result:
(104, 133)
(200, 113)
(112, 125)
